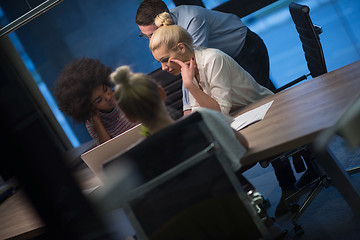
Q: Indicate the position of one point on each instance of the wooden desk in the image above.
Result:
(298, 114)
(18, 218)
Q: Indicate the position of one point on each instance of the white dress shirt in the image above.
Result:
(226, 81)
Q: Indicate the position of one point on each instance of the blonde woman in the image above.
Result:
(212, 29)
(214, 81)
(142, 100)
(213, 78)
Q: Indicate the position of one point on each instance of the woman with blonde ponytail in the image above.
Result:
(213, 78)
(141, 99)
(211, 29)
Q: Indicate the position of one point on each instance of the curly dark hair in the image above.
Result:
(73, 88)
(148, 10)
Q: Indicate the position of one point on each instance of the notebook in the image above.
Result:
(102, 153)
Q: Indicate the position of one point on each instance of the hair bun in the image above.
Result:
(163, 19)
(121, 75)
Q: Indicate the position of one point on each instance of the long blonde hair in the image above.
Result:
(169, 34)
(136, 94)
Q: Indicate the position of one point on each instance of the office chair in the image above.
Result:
(309, 36)
(184, 176)
(173, 88)
(189, 2)
(314, 56)
(347, 128)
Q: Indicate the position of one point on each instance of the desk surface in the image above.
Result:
(299, 113)
(18, 218)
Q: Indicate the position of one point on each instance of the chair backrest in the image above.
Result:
(168, 148)
(185, 178)
(173, 88)
(189, 2)
(202, 189)
(309, 38)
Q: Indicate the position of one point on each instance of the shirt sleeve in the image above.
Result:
(91, 129)
(185, 99)
(219, 75)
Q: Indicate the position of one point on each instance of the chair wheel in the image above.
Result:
(298, 230)
(294, 208)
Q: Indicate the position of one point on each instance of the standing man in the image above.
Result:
(212, 29)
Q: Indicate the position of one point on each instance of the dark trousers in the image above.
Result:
(254, 58)
(284, 174)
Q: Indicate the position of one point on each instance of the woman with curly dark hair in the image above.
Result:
(83, 91)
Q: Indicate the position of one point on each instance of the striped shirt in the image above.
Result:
(115, 123)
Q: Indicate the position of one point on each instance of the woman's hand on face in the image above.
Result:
(102, 134)
(187, 71)
(96, 116)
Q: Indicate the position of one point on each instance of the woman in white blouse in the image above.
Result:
(213, 78)
(214, 81)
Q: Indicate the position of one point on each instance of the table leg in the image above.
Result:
(341, 180)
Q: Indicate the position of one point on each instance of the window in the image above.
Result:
(340, 40)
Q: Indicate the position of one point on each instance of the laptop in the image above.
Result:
(97, 156)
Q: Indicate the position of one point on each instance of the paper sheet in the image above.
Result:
(251, 116)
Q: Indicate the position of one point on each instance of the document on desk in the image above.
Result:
(251, 116)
